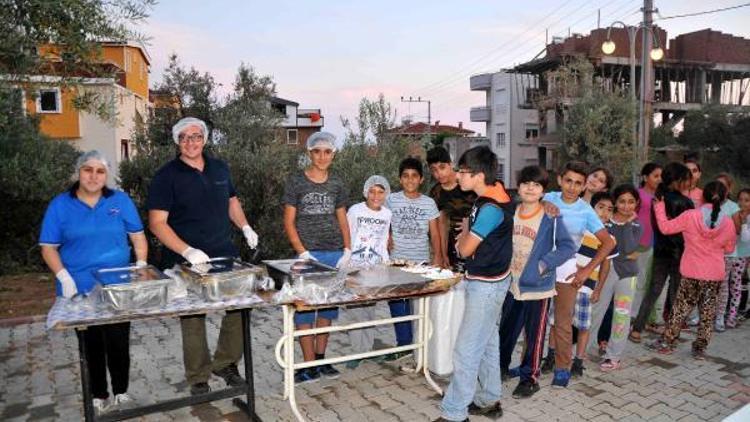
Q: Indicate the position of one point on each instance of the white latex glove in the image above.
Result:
(344, 260)
(140, 263)
(68, 284)
(195, 256)
(250, 236)
(307, 255)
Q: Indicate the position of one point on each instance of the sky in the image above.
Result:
(329, 54)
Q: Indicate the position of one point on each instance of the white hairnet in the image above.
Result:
(186, 122)
(321, 139)
(89, 156)
(376, 180)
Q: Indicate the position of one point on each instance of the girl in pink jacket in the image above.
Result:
(707, 239)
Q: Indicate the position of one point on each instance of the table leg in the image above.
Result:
(83, 359)
(289, 358)
(248, 406)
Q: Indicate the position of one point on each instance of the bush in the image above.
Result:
(33, 169)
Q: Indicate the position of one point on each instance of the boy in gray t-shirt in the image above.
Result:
(316, 226)
(414, 227)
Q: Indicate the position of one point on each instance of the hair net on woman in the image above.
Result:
(186, 122)
(88, 156)
(377, 181)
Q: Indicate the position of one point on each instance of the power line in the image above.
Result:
(724, 9)
(460, 77)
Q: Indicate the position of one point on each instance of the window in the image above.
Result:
(281, 108)
(125, 149)
(291, 136)
(501, 171)
(532, 133)
(501, 140)
(49, 101)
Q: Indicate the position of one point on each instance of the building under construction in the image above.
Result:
(698, 68)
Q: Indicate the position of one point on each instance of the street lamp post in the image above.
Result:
(608, 47)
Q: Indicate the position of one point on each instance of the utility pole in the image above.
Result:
(429, 112)
(647, 78)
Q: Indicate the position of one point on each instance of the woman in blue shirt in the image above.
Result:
(85, 229)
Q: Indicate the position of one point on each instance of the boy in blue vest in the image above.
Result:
(486, 243)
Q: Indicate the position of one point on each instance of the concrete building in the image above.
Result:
(511, 120)
(125, 94)
(297, 123)
(699, 68)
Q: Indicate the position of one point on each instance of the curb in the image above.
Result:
(12, 322)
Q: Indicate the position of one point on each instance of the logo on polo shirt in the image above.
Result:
(113, 211)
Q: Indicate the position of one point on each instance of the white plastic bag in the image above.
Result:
(446, 312)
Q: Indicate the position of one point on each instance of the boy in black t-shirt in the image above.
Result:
(454, 204)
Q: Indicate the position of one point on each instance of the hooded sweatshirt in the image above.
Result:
(705, 247)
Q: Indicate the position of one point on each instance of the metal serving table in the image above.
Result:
(368, 286)
(63, 316)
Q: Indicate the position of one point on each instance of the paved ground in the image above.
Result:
(40, 377)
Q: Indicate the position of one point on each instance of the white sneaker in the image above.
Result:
(100, 406)
(719, 327)
(121, 400)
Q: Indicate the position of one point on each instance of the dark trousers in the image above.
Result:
(399, 308)
(605, 330)
(664, 267)
(531, 317)
(108, 347)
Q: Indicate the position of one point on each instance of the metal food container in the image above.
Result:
(290, 270)
(132, 288)
(221, 278)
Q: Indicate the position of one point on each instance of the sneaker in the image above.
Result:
(719, 327)
(699, 354)
(231, 375)
(577, 368)
(199, 388)
(525, 389)
(661, 347)
(306, 375)
(609, 365)
(397, 356)
(561, 378)
(122, 400)
(548, 364)
(100, 406)
(328, 371)
(494, 411)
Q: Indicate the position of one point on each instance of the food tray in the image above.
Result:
(221, 278)
(131, 288)
(290, 270)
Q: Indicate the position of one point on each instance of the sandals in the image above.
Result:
(609, 365)
(634, 336)
(655, 328)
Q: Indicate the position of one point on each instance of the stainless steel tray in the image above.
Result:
(132, 288)
(290, 270)
(221, 278)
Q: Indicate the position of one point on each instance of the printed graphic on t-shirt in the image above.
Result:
(317, 203)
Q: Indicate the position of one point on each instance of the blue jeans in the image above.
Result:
(329, 258)
(399, 308)
(477, 351)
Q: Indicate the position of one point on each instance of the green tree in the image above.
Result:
(598, 123)
(33, 169)
(374, 119)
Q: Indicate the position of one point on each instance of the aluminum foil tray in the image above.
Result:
(290, 270)
(132, 288)
(221, 278)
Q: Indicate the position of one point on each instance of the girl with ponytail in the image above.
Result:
(708, 236)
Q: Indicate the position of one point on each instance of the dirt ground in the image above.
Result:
(26, 294)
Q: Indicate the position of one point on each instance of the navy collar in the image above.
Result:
(106, 192)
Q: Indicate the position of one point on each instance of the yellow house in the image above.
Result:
(126, 93)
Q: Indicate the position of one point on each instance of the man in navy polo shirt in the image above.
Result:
(191, 206)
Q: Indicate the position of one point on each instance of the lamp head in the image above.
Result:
(608, 47)
(657, 54)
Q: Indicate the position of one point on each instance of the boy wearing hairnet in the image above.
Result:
(369, 225)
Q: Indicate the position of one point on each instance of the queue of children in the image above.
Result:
(564, 258)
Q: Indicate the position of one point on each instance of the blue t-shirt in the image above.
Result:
(89, 238)
(488, 218)
(578, 218)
